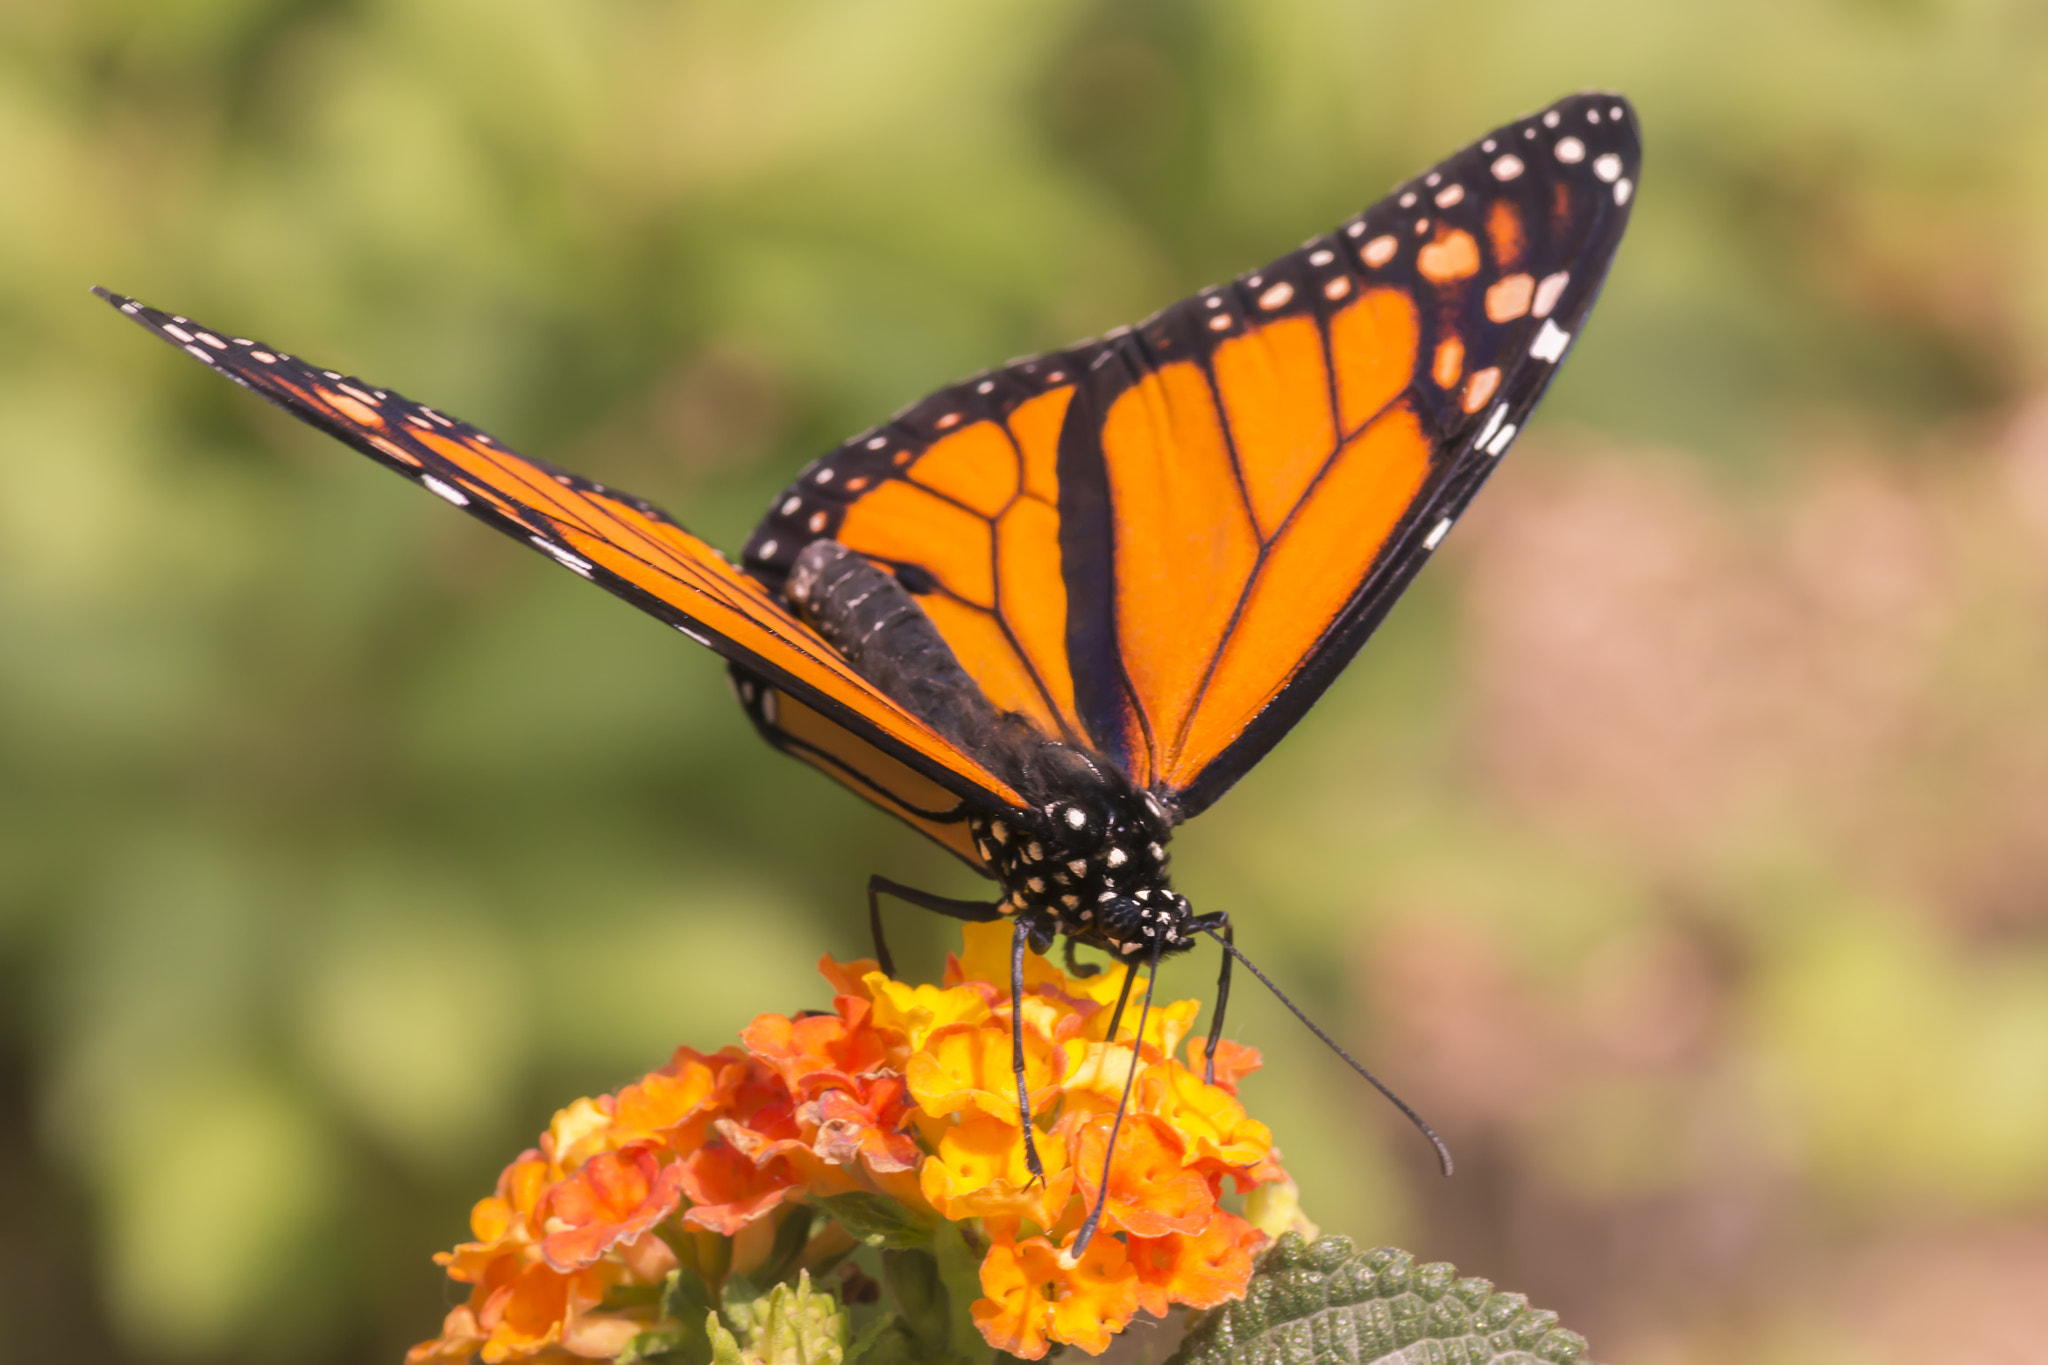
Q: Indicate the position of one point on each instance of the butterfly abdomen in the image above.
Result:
(875, 623)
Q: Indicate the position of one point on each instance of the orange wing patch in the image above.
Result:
(1308, 575)
(1504, 233)
(980, 513)
(904, 523)
(1276, 393)
(1185, 543)
(1033, 594)
(1036, 425)
(1244, 526)
(974, 466)
(1373, 344)
(1452, 257)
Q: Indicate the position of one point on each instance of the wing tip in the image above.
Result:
(120, 302)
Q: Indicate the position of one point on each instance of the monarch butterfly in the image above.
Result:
(1047, 614)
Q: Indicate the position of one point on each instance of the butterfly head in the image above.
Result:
(1092, 866)
(1146, 919)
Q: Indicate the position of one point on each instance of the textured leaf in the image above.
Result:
(1332, 1304)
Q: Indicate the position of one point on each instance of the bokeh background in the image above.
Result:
(1680, 846)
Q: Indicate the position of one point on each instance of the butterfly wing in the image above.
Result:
(799, 691)
(1165, 544)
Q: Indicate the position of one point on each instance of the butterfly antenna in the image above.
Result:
(1087, 1233)
(1443, 1153)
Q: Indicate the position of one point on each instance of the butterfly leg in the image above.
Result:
(1035, 934)
(1080, 969)
(974, 912)
(1212, 923)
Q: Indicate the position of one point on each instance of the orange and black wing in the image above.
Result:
(1166, 543)
(795, 684)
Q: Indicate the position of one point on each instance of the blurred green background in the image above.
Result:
(1680, 847)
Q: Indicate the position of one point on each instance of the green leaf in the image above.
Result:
(882, 1340)
(920, 1298)
(877, 1221)
(960, 1273)
(1331, 1304)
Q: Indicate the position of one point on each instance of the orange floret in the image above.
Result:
(1201, 1271)
(1149, 1193)
(609, 1201)
(903, 1094)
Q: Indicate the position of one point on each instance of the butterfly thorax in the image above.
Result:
(1088, 858)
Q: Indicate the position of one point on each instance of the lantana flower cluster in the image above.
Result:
(905, 1097)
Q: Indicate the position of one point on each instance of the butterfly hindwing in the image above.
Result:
(1166, 543)
(797, 688)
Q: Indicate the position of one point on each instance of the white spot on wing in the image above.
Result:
(1607, 166)
(1507, 167)
(1550, 342)
(1449, 195)
(1570, 150)
(574, 562)
(442, 490)
(1278, 295)
(1493, 419)
(1437, 534)
(180, 333)
(1547, 292)
(1379, 250)
(1622, 190)
(1501, 439)
(1323, 257)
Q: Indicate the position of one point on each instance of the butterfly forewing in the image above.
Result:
(627, 546)
(1166, 543)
